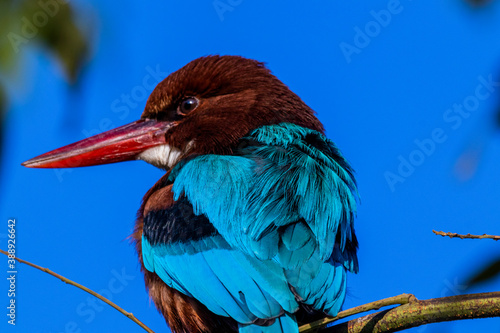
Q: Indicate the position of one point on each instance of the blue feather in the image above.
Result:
(226, 281)
(270, 186)
(283, 324)
(295, 236)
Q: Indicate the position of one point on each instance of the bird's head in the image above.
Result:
(205, 107)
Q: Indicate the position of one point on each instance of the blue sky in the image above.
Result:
(405, 88)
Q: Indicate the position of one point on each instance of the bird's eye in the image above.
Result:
(188, 105)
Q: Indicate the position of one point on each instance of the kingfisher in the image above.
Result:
(251, 229)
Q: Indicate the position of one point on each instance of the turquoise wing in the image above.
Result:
(287, 197)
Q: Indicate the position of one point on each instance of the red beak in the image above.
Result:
(120, 144)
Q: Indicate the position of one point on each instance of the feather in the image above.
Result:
(227, 282)
(272, 184)
(283, 324)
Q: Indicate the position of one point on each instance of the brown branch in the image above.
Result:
(455, 235)
(93, 293)
(417, 313)
(400, 299)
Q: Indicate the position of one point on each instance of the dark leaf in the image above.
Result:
(478, 3)
(487, 273)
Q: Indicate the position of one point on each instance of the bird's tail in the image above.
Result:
(284, 324)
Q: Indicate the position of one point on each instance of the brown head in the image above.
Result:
(203, 108)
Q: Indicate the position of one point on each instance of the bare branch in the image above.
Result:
(455, 235)
(400, 299)
(93, 293)
(417, 313)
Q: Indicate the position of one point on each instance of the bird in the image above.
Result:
(251, 228)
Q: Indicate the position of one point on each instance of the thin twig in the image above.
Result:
(400, 299)
(455, 235)
(93, 293)
(417, 313)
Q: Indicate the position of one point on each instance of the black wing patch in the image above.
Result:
(177, 223)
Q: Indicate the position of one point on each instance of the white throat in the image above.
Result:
(163, 156)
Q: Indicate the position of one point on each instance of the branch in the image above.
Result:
(93, 293)
(417, 313)
(455, 235)
(400, 299)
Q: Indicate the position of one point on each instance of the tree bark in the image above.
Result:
(417, 313)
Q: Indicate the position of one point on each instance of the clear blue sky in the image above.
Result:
(388, 92)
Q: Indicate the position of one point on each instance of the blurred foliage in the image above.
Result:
(486, 274)
(3, 108)
(478, 3)
(47, 24)
(466, 167)
(62, 37)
